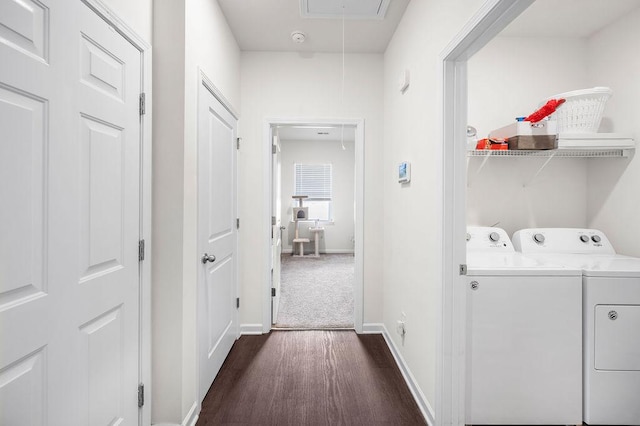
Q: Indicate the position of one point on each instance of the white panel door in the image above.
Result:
(276, 231)
(69, 218)
(217, 278)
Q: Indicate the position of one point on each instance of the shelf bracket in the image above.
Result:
(553, 154)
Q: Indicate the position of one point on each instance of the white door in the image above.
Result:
(217, 289)
(69, 217)
(276, 231)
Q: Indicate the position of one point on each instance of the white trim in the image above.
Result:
(250, 329)
(192, 416)
(358, 285)
(217, 93)
(372, 328)
(492, 17)
(145, 376)
(414, 388)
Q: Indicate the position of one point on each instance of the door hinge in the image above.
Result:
(238, 143)
(140, 250)
(237, 302)
(140, 395)
(237, 223)
(274, 149)
(273, 220)
(273, 292)
(142, 104)
(463, 269)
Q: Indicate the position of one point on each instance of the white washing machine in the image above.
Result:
(611, 327)
(524, 339)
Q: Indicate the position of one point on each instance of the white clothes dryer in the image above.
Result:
(611, 318)
(524, 341)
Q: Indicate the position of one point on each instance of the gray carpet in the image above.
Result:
(316, 292)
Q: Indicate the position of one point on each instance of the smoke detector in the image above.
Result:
(298, 37)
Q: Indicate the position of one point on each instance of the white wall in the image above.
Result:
(136, 14)
(613, 200)
(508, 78)
(412, 253)
(337, 237)
(292, 85)
(187, 36)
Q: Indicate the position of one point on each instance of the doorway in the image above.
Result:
(492, 18)
(322, 290)
(314, 188)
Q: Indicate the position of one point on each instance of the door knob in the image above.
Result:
(282, 228)
(208, 258)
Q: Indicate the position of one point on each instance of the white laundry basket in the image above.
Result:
(582, 111)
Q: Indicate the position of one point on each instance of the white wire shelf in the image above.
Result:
(570, 153)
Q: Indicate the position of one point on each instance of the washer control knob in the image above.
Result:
(584, 238)
(596, 238)
(538, 238)
(494, 236)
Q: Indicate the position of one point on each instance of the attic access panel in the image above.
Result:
(353, 9)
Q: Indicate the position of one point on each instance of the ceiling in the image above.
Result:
(568, 18)
(266, 25)
(319, 133)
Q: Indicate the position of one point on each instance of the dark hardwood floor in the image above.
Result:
(310, 378)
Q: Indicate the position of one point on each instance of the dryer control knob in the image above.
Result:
(494, 236)
(584, 238)
(538, 238)
(596, 238)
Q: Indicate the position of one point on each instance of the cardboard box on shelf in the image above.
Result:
(525, 135)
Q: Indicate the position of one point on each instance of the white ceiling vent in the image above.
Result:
(353, 9)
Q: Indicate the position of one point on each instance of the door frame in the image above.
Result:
(358, 284)
(491, 18)
(146, 120)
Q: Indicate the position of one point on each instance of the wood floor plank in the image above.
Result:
(310, 378)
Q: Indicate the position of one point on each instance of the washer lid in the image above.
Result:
(596, 265)
(612, 266)
(514, 264)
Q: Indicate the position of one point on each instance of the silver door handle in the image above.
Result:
(208, 258)
(282, 228)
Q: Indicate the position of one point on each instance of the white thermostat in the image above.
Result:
(404, 172)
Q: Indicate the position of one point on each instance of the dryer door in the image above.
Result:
(616, 337)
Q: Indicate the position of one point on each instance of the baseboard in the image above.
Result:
(192, 416)
(421, 400)
(250, 329)
(372, 328)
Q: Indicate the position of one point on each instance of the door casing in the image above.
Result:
(493, 17)
(358, 285)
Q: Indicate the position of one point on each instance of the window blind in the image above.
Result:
(313, 180)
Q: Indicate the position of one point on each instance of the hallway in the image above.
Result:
(310, 378)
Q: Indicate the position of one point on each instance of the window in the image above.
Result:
(315, 181)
